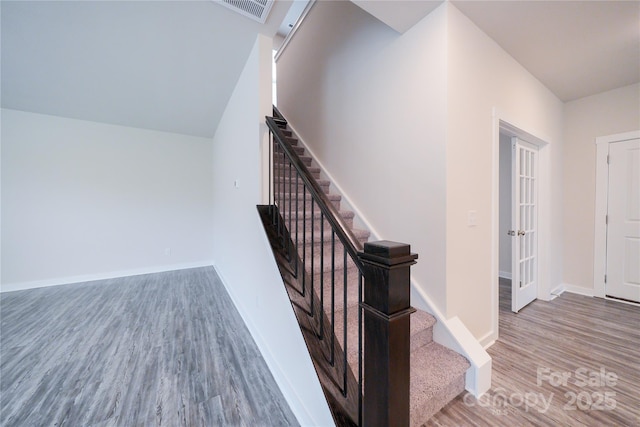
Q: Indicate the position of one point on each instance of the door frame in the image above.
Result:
(602, 197)
(503, 124)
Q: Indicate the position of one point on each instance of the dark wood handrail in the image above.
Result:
(277, 114)
(338, 224)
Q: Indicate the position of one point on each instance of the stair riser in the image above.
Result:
(319, 240)
(284, 177)
(323, 247)
(280, 172)
(290, 186)
(294, 143)
(338, 296)
(290, 139)
(278, 161)
(284, 205)
(290, 204)
(284, 194)
(301, 224)
(326, 263)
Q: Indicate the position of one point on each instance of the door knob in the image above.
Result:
(521, 233)
(511, 233)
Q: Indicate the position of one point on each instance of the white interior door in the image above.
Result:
(524, 283)
(623, 230)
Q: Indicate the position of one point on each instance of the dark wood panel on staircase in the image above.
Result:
(344, 409)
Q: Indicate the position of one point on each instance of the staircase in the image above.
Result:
(332, 279)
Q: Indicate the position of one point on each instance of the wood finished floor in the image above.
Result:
(573, 334)
(153, 350)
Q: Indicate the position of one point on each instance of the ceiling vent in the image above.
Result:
(258, 10)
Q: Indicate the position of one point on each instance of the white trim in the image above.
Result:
(501, 122)
(487, 340)
(504, 274)
(557, 291)
(58, 281)
(602, 195)
(294, 30)
(573, 289)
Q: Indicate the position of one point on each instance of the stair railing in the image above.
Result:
(382, 279)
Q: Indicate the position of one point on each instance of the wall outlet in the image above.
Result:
(167, 251)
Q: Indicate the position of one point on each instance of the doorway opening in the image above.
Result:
(521, 222)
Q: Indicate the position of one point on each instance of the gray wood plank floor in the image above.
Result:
(151, 350)
(581, 339)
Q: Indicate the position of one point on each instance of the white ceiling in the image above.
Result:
(575, 48)
(164, 65)
(172, 65)
(399, 14)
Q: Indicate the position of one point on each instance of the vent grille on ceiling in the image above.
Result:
(258, 10)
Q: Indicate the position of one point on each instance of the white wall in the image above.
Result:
(370, 103)
(242, 254)
(504, 263)
(607, 113)
(84, 200)
(482, 77)
(405, 125)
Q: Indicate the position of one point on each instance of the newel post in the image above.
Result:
(387, 310)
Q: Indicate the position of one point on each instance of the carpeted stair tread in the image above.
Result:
(314, 170)
(421, 324)
(421, 329)
(286, 181)
(301, 196)
(352, 334)
(318, 261)
(316, 214)
(352, 289)
(294, 143)
(302, 203)
(437, 376)
(347, 217)
(278, 161)
(296, 148)
(361, 235)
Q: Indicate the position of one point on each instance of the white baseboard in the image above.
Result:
(19, 286)
(575, 290)
(557, 291)
(504, 274)
(488, 339)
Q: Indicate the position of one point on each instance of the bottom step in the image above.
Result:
(437, 376)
